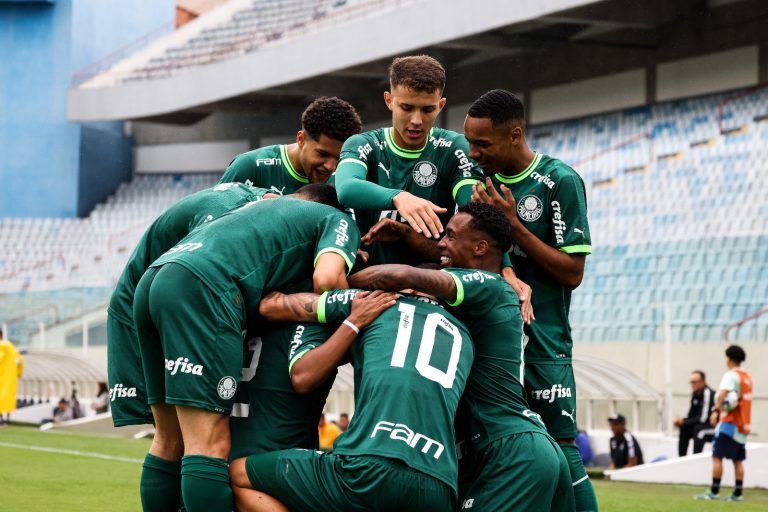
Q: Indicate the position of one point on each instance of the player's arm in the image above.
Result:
(715, 414)
(399, 277)
(389, 230)
(338, 240)
(330, 272)
(567, 269)
(293, 307)
(311, 367)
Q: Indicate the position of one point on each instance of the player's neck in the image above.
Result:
(401, 144)
(489, 264)
(293, 156)
(520, 161)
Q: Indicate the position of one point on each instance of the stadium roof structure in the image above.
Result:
(249, 54)
(597, 379)
(53, 374)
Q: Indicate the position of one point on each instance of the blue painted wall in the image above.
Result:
(48, 166)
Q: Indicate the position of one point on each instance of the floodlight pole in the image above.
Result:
(668, 367)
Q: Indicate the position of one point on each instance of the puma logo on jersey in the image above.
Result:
(569, 414)
(276, 190)
(182, 365)
(549, 395)
(557, 222)
(386, 171)
(577, 230)
(401, 432)
(120, 391)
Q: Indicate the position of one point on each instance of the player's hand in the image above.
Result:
(524, 292)
(489, 195)
(677, 422)
(420, 214)
(367, 306)
(713, 418)
(386, 230)
(363, 255)
(270, 195)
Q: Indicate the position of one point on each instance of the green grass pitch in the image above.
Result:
(63, 472)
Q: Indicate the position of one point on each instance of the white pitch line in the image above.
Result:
(92, 455)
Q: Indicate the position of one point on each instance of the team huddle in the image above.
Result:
(440, 265)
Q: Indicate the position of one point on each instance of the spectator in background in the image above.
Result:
(696, 424)
(328, 432)
(101, 404)
(62, 412)
(11, 368)
(625, 450)
(343, 421)
(733, 408)
(585, 449)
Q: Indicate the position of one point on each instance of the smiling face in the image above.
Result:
(458, 246)
(413, 114)
(492, 147)
(318, 158)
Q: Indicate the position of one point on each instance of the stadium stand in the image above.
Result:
(237, 28)
(678, 213)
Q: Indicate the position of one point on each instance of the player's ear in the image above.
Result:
(388, 99)
(481, 248)
(442, 103)
(516, 134)
(301, 138)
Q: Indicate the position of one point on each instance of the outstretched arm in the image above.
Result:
(389, 230)
(399, 277)
(310, 368)
(294, 307)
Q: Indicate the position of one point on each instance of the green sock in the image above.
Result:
(205, 484)
(160, 485)
(586, 500)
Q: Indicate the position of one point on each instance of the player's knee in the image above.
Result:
(238, 475)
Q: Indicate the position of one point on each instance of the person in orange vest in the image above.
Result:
(733, 406)
(327, 433)
(11, 368)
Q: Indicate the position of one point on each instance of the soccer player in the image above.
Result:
(516, 465)
(545, 201)
(126, 380)
(325, 124)
(733, 407)
(411, 172)
(411, 365)
(194, 303)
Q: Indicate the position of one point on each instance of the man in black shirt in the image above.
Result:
(696, 424)
(625, 450)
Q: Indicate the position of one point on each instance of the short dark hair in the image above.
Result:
(491, 221)
(420, 73)
(500, 106)
(320, 193)
(736, 354)
(343, 415)
(332, 117)
(701, 374)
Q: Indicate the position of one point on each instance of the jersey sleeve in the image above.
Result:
(465, 172)
(338, 233)
(568, 207)
(334, 307)
(305, 337)
(352, 187)
(730, 382)
(241, 169)
(476, 291)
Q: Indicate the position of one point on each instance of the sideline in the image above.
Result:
(93, 455)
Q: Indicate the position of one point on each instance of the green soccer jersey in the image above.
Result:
(268, 415)
(263, 246)
(411, 367)
(267, 167)
(495, 395)
(551, 204)
(441, 172)
(170, 227)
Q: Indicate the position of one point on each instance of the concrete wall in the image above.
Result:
(600, 94)
(42, 153)
(190, 157)
(708, 73)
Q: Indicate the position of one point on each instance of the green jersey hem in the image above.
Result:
(459, 290)
(341, 253)
(463, 183)
(577, 249)
(289, 166)
(524, 174)
(321, 308)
